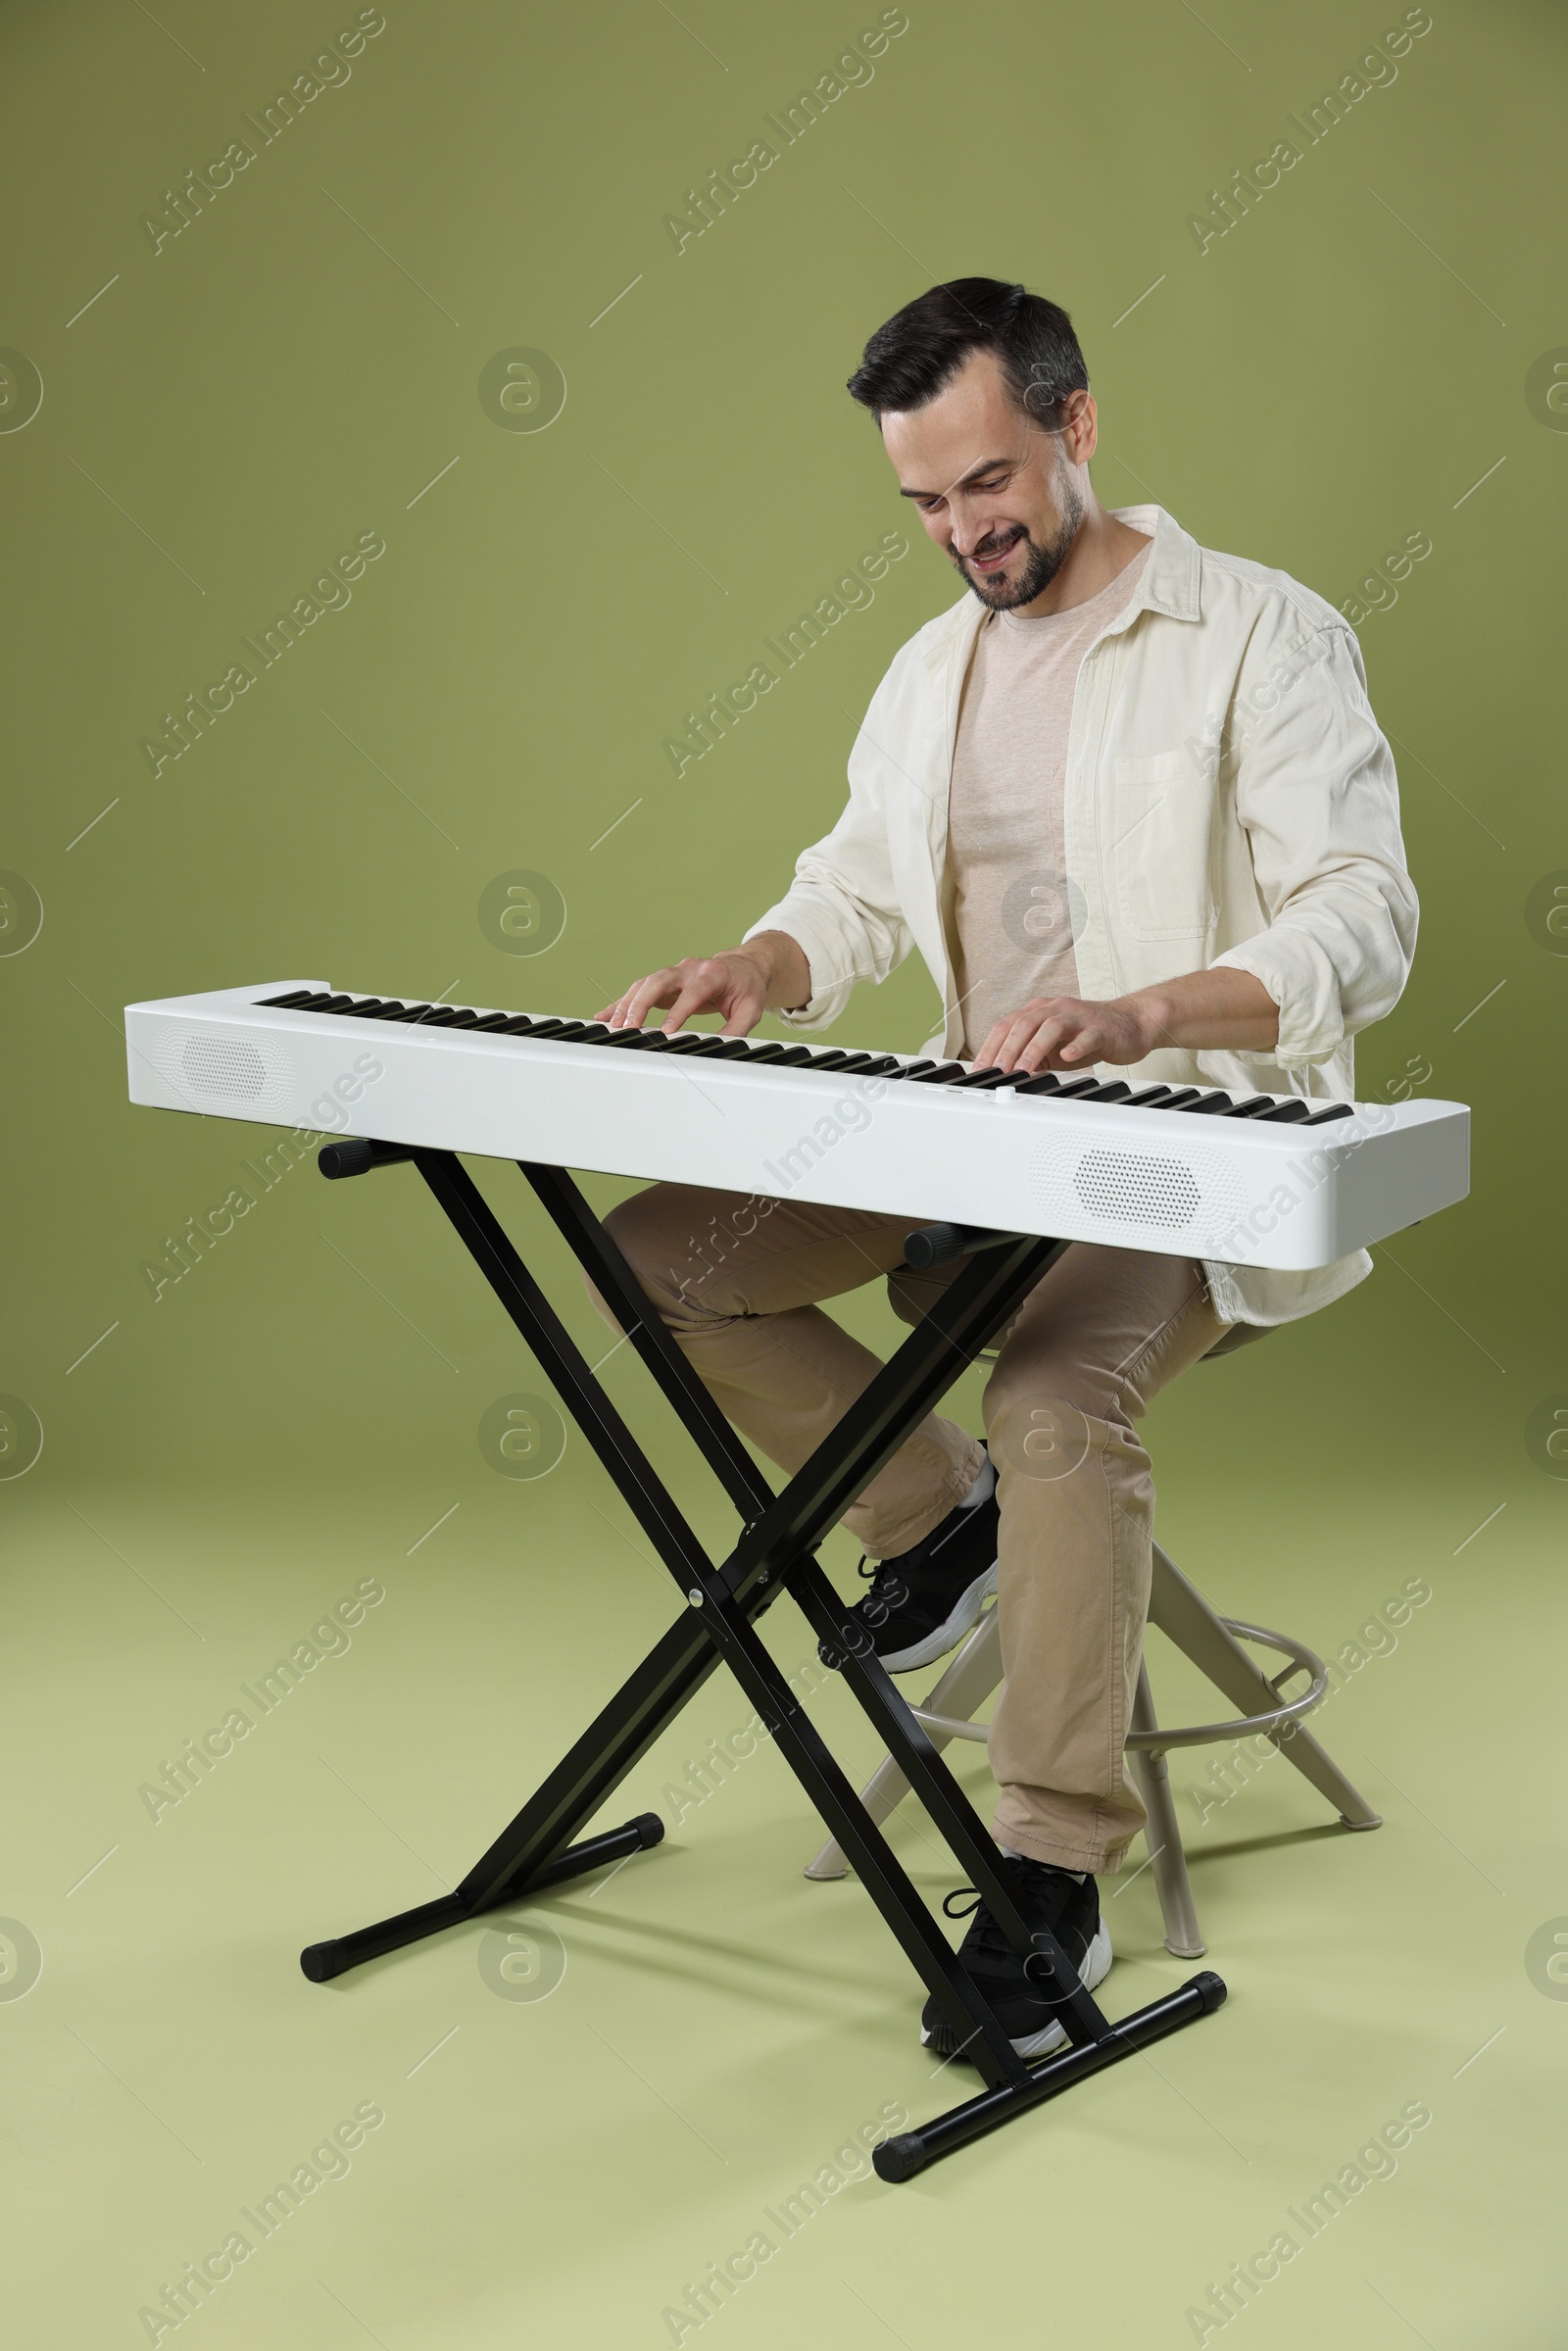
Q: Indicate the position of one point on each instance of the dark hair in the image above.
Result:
(923, 347)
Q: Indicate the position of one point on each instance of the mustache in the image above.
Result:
(998, 542)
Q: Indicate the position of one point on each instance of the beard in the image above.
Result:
(1043, 559)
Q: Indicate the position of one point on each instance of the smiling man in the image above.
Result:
(1129, 800)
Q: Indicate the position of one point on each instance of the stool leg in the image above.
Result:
(965, 1686)
(1166, 1856)
(1185, 1618)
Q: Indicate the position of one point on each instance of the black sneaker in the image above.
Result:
(923, 1602)
(1020, 1998)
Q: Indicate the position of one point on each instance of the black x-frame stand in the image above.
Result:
(775, 1552)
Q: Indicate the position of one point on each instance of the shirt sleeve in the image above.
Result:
(842, 908)
(1317, 795)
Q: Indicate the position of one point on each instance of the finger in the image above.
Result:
(995, 1035)
(1023, 1032)
(658, 988)
(1083, 1044)
(693, 998)
(742, 1009)
(1045, 1046)
(744, 1013)
(701, 990)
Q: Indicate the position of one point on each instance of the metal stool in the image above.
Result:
(1213, 1644)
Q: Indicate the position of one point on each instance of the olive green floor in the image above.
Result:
(564, 2160)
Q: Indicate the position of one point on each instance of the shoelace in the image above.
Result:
(992, 1939)
(886, 1579)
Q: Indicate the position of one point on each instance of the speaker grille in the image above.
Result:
(224, 1065)
(1137, 1190)
(252, 1077)
(1199, 1197)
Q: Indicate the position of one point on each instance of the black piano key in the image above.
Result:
(767, 1049)
(1182, 1100)
(489, 1020)
(1212, 1106)
(546, 1028)
(916, 1069)
(687, 1041)
(944, 1073)
(1074, 1087)
(515, 1024)
(1048, 1082)
(298, 1000)
(881, 1065)
(1149, 1098)
(628, 1040)
(1321, 1117)
(829, 1057)
(793, 1057)
(445, 1016)
(1286, 1114)
(983, 1081)
(716, 1048)
(394, 1009)
(333, 1004)
(1250, 1107)
(1114, 1090)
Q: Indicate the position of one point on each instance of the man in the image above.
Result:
(1129, 799)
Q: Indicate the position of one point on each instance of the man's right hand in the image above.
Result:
(740, 985)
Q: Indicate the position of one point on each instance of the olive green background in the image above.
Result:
(302, 364)
(1317, 384)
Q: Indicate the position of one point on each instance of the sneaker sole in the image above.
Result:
(964, 1617)
(1095, 1970)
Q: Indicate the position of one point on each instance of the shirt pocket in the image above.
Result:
(1161, 809)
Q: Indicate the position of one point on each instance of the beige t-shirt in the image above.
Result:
(1009, 914)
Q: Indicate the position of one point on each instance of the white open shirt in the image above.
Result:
(1228, 800)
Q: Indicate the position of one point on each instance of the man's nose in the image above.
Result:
(970, 529)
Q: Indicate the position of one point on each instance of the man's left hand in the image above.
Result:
(1065, 1032)
(1220, 1010)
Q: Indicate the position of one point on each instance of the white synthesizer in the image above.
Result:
(1266, 1180)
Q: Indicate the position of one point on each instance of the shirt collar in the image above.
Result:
(1168, 584)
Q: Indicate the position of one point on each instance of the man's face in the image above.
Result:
(1000, 496)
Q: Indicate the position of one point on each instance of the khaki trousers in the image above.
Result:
(737, 1279)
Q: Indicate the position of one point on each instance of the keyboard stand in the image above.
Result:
(776, 1555)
